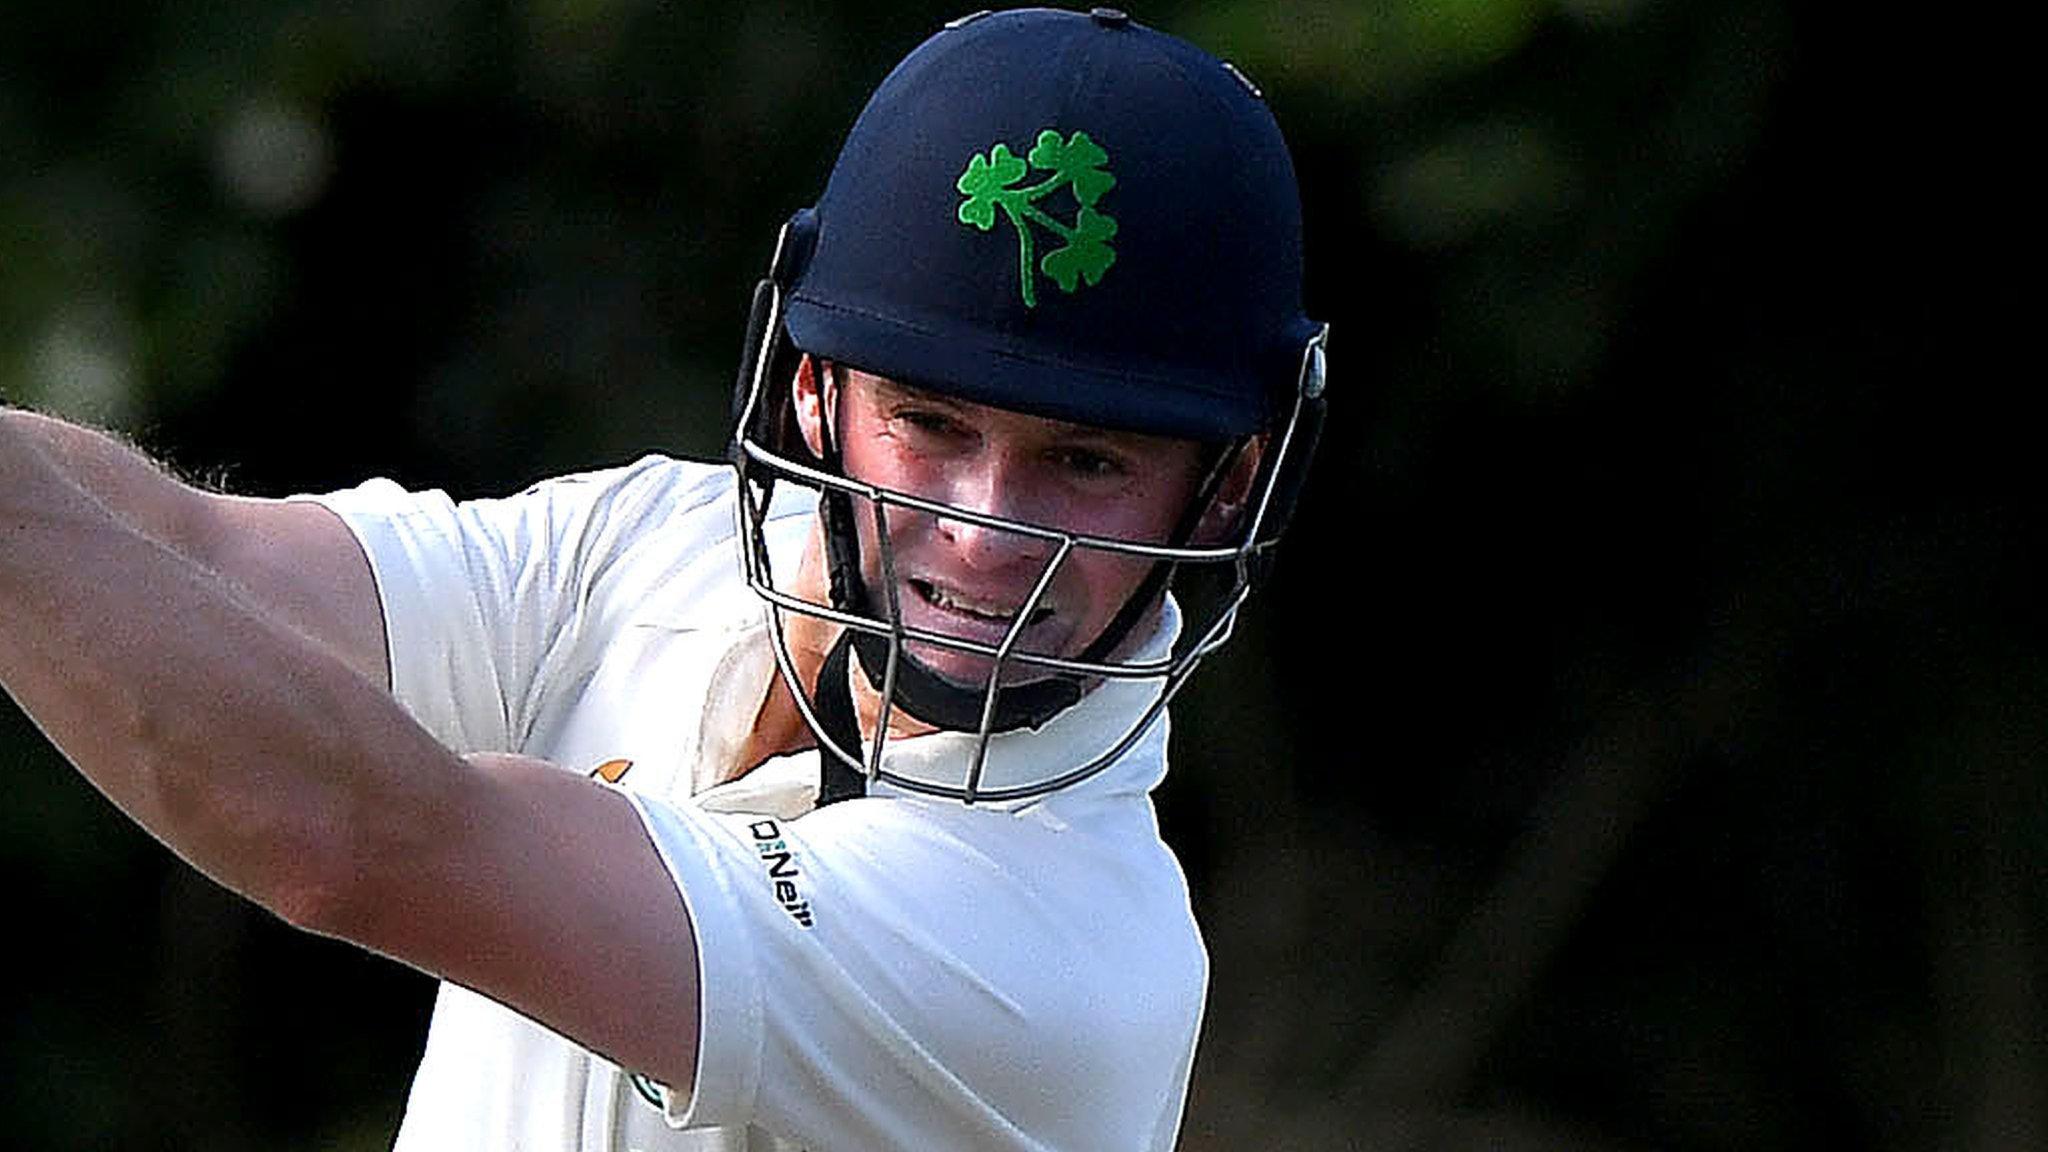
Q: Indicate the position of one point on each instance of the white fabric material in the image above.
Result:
(925, 976)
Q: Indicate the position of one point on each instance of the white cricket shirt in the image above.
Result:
(889, 973)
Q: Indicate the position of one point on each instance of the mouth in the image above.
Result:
(959, 604)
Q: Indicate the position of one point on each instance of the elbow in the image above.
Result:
(323, 875)
(307, 904)
(353, 868)
(301, 868)
(311, 887)
(296, 848)
(313, 822)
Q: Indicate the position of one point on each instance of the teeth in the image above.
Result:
(988, 611)
(982, 609)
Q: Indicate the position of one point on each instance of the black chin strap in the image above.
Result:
(927, 696)
(833, 701)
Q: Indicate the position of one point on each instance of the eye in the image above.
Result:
(1090, 464)
(929, 422)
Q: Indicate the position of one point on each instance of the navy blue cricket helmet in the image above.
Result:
(1069, 215)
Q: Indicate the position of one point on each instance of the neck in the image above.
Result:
(779, 728)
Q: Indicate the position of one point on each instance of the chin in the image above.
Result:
(970, 671)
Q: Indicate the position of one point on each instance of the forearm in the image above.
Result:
(245, 746)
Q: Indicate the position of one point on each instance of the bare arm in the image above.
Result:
(294, 560)
(257, 754)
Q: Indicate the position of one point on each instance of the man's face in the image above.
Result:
(966, 580)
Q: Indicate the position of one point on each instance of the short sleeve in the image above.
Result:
(888, 974)
(482, 598)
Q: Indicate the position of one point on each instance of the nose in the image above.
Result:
(995, 485)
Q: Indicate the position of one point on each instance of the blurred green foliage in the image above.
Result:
(1640, 748)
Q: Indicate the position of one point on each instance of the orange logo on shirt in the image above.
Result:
(611, 771)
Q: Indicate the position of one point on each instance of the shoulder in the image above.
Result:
(651, 488)
(689, 500)
(656, 508)
(650, 484)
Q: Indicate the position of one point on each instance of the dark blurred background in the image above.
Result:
(1640, 747)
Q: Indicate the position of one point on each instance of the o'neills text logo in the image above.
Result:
(782, 870)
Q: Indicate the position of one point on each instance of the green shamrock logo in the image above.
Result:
(1075, 163)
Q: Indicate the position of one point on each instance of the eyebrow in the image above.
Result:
(888, 390)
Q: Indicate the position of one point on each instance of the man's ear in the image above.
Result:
(807, 400)
(1226, 511)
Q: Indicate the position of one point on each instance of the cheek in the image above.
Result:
(1144, 516)
(873, 457)
(1102, 581)
(909, 532)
